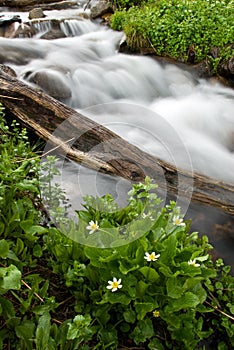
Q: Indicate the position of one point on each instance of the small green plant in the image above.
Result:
(158, 291)
(140, 278)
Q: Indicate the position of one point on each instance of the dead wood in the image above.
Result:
(98, 148)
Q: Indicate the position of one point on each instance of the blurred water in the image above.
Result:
(96, 74)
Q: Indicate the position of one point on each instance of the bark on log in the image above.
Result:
(98, 148)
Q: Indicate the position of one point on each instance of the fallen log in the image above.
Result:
(98, 148)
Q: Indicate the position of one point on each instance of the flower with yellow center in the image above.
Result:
(178, 221)
(193, 263)
(114, 285)
(151, 256)
(92, 227)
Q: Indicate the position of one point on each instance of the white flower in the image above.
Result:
(114, 285)
(151, 256)
(193, 263)
(178, 221)
(92, 227)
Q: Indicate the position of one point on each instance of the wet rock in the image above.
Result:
(53, 34)
(6, 20)
(24, 3)
(53, 83)
(36, 13)
(226, 70)
(7, 25)
(8, 70)
(28, 5)
(100, 8)
(214, 52)
(7, 32)
(24, 31)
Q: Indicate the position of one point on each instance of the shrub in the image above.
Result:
(173, 27)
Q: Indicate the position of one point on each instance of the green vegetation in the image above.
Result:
(178, 28)
(160, 290)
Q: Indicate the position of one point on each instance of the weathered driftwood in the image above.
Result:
(97, 147)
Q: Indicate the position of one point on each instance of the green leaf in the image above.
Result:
(149, 273)
(143, 331)
(25, 331)
(80, 328)
(31, 229)
(37, 250)
(143, 308)
(126, 266)
(4, 248)
(8, 310)
(115, 298)
(129, 316)
(188, 300)
(19, 247)
(9, 278)
(2, 228)
(43, 332)
(141, 288)
(155, 344)
(174, 288)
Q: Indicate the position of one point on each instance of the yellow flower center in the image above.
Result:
(115, 284)
(93, 226)
(152, 256)
(177, 221)
(156, 313)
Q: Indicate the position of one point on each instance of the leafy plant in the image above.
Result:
(172, 28)
(133, 276)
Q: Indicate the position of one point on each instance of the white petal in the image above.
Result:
(119, 281)
(109, 287)
(114, 279)
(120, 286)
(114, 289)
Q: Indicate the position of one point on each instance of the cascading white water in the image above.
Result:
(90, 66)
(92, 72)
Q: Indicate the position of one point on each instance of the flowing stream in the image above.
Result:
(162, 109)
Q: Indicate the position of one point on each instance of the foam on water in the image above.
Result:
(199, 114)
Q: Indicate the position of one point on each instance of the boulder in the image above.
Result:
(24, 3)
(52, 82)
(53, 33)
(100, 8)
(24, 31)
(6, 20)
(27, 5)
(36, 13)
(226, 70)
(7, 25)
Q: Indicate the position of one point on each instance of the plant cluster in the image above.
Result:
(140, 280)
(176, 27)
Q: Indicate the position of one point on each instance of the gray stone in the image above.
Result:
(53, 83)
(53, 34)
(36, 13)
(24, 31)
(100, 8)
